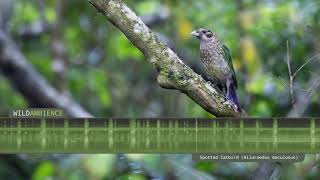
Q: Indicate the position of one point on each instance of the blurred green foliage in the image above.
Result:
(110, 77)
(44, 170)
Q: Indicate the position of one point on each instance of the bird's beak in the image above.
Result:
(195, 33)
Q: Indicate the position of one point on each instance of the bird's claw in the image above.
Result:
(225, 100)
(229, 102)
(214, 85)
(209, 82)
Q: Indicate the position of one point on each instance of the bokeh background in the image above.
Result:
(85, 57)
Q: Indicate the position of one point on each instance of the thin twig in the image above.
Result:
(315, 74)
(288, 59)
(282, 81)
(290, 75)
(314, 85)
(312, 58)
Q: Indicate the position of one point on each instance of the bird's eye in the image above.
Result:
(209, 34)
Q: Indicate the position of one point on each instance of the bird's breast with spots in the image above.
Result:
(213, 59)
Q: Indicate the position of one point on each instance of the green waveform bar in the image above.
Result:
(106, 135)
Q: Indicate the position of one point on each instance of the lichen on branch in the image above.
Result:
(173, 73)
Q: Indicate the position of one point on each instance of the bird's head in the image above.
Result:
(203, 34)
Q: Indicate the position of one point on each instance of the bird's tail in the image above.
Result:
(233, 97)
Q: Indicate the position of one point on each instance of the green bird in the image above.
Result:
(217, 61)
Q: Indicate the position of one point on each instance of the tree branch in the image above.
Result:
(173, 73)
(30, 83)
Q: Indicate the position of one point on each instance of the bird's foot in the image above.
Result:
(215, 86)
(228, 101)
(211, 84)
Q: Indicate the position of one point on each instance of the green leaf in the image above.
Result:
(205, 166)
(98, 83)
(50, 15)
(131, 177)
(147, 7)
(43, 171)
(125, 49)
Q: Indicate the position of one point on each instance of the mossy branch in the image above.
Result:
(173, 73)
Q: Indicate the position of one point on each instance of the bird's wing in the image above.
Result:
(228, 59)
